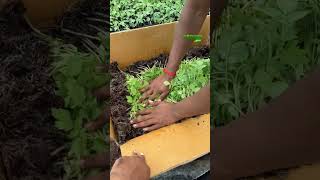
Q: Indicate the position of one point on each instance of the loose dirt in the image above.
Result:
(27, 133)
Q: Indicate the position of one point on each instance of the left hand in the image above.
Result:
(162, 114)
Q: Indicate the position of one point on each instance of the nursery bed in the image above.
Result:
(119, 106)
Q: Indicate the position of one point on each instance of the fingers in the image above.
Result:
(144, 124)
(95, 161)
(155, 103)
(163, 96)
(146, 95)
(140, 119)
(151, 128)
(145, 112)
(145, 89)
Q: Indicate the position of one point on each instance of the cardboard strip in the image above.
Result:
(172, 146)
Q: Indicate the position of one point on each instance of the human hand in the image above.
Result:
(162, 114)
(130, 168)
(157, 88)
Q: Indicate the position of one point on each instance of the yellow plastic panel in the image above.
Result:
(127, 47)
(44, 13)
(172, 146)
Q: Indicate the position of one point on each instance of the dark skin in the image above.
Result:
(130, 168)
(164, 113)
(190, 22)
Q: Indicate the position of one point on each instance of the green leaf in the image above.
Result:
(297, 15)
(277, 88)
(287, 6)
(63, 119)
(239, 52)
(76, 93)
(262, 79)
(294, 56)
(272, 12)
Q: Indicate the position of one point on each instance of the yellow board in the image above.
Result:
(127, 47)
(173, 145)
(45, 13)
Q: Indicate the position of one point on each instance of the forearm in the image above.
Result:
(190, 22)
(194, 105)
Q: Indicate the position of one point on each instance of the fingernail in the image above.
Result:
(135, 126)
(141, 154)
(145, 129)
(131, 121)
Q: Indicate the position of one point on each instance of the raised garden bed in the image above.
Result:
(120, 108)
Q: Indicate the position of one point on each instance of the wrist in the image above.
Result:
(177, 111)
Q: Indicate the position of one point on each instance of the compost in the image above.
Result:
(27, 133)
(119, 106)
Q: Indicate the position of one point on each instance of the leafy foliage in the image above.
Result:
(76, 77)
(191, 77)
(261, 49)
(130, 14)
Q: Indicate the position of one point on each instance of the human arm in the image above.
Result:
(190, 22)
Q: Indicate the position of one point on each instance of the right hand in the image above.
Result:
(130, 168)
(156, 88)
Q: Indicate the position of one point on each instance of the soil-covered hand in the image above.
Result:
(130, 168)
(162, 114)
(157, 88)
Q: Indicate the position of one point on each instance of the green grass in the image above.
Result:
(192, 75)
(261, 48)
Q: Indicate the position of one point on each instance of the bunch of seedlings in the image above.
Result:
(77, 76)
(192, 75)
(261, 48)
(130, 14)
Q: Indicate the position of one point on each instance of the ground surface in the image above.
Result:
(27, 133)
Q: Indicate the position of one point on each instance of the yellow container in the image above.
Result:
(176, 144)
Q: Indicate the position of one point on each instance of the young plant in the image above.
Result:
(191, 77)
(76, 77)
(261, 48)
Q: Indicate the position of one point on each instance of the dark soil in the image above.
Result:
(119, 106)
(115, 152)
(27, 132)
(84, 21)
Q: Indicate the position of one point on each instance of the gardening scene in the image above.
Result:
(54, 89)
(265, 84)
(160, 90)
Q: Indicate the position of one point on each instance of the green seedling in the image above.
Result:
(76, 76)
(193, 38)
(191, 77)
(260, 49)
